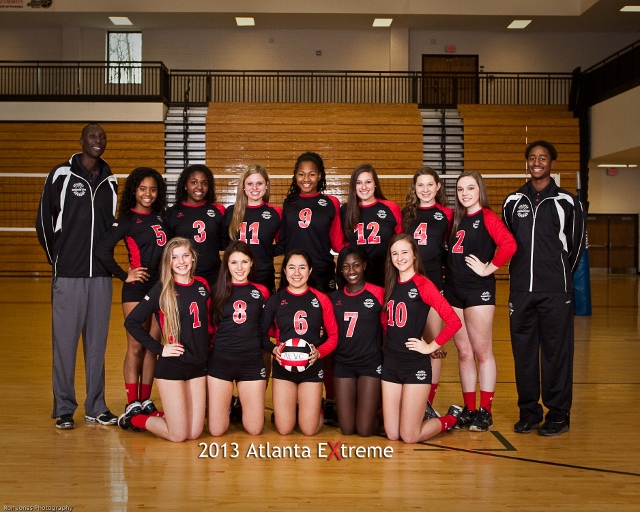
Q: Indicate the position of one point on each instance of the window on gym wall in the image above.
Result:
(124, 57)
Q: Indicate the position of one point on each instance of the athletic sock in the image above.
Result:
(470, 400)
(446, 422)
(140, 421)
(145, 391)
(432, 393)
(132, 392)
(486, 399)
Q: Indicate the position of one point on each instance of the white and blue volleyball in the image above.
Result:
(295, 355)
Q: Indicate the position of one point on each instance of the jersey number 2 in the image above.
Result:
(457, 247)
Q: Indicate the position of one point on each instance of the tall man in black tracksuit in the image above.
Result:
(76, 209)
(548, 225)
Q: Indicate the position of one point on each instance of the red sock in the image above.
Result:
(470, 400)
(328, 383)
(132, 392)
(140, 421)
(486, 399)
(446, 422)
(432, 393)
(145, 391)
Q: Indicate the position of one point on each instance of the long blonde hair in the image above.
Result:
(168, 301)
(241, 198)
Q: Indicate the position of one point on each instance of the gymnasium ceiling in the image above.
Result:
(449, 15)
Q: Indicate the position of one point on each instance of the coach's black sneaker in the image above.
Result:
(65, 422)
(482, 422)
(554, 425)
(106, 418)
(235, 414)
(465, 419)
(431, 413)
(526, 426)
(454, 411)
(330, 412)
(148, 407)
(124, 421)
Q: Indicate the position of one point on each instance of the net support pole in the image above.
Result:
(582, 277)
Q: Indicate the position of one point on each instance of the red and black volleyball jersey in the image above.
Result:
(379, 222)
(407, 310)
(237, 335)
(430, 229)
(308, 316)
(359, 318)
(201, 223)
(478, 234)
(260, 227)
(144, 235)
(195, 328)
(312, 222)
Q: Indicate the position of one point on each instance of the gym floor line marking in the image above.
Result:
(508, 447)
(486, 453)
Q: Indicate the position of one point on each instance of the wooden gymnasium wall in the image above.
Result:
(36, 148)
(388, 136)
(496, 136)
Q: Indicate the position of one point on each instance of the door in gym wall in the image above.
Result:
(449, 79)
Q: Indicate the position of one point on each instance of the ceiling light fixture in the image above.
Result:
(519, 23)
(120, 20)
(245, 21)
(630, 8)
(382, 22)
(621, 166)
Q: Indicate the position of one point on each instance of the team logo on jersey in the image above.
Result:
(379, 369)
(79, 189)
(321, 374)
(115, 225)
(202, 290)
(476, 224)
(413, 293)
(180, 214)
(211, 213)
(368, 303)
(255, 294)
(486, 296)
(338, 303)
(438, 216)
(421, 375)
(159, 218)
(315, 303)
(138, 220)
(510, 308)
(382, 214)
(523, 210)
(263, 373)
(146, 297)
(266, 215)
(284, 302)
(322, 202)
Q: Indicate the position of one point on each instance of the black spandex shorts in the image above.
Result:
(314, 373)
(135, 292)
(463, 298)
(239, 370)
(353, 371)
(416, 370)
(171, 368)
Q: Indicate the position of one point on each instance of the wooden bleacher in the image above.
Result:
(495, 138)
(36, 148)
(388, 136)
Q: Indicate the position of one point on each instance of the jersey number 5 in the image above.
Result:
(161, 236)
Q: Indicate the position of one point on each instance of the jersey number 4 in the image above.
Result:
(420, 234)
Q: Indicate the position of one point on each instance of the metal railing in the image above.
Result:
(83, 81)
(152, 81)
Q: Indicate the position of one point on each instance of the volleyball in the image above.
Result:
(295, 355)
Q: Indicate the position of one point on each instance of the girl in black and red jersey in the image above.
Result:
(237, 346)
(297, 310)
(196, 215)
(427, 218)
(140, 224)
(254, 221)
(311, 220)
(369, 220)
(406, 370)
(470, 287)
(358, 357)
(180, 302)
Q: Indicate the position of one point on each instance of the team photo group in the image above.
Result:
(355, 341)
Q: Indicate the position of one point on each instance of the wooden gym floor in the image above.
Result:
(596, 466)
